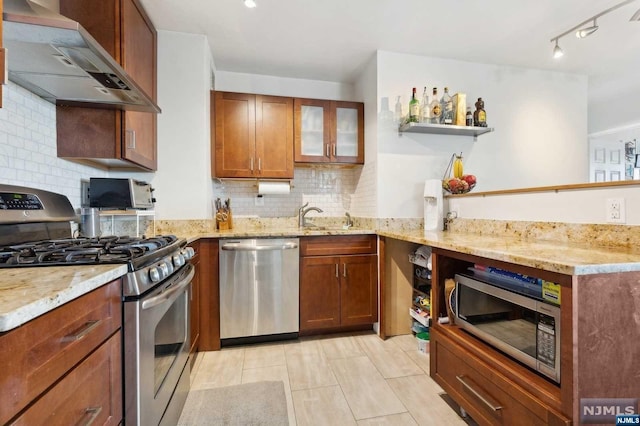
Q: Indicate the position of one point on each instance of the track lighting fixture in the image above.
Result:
(587, 31)
(582, 31)
(557, 51)
(250, 3)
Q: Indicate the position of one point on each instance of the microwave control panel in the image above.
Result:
(546, 340)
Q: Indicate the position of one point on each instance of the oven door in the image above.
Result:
(156, 345)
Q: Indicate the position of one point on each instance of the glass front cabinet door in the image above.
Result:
(329, 131)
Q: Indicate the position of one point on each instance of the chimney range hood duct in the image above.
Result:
(57, 59)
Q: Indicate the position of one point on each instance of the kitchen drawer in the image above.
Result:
(487, 397)
(90, 394)
(43, 350)
(336, 245)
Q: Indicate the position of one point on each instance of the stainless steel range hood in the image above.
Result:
(57, 59)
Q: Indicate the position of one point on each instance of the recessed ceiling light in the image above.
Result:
(250, 3)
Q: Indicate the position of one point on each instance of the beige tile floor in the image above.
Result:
(355, 379)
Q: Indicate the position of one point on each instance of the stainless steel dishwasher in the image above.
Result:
(259, 288)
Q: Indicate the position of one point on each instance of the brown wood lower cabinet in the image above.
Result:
(340, 290)
(209, 296)
(66, 365)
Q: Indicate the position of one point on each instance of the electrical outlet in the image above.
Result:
(259, 200)
(615, 212)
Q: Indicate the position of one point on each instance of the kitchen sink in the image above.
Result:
(326, 228)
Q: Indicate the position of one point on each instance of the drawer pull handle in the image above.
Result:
(90, 414)
(84, 330)
(251, 159)
(337, 271)
(478, 394)
(335, 152)
(344, 270)
(132, 139)
(328, 155)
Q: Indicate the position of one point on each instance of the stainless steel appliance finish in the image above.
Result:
(156, 350)
(259, 287)
(521, 326)
(90, 222)
(20, 204)
(120, 193)
(57, 59)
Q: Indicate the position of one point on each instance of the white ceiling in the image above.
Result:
(332, 39)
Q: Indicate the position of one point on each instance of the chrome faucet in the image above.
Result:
(302, 211)
(348, 222)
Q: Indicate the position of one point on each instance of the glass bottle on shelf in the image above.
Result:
(424, 107)
(446, 108)
(469, 118)
(480, 115)
(434, 107)
(397, 115)
(414, 108)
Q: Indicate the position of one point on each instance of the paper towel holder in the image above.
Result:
(272, 186)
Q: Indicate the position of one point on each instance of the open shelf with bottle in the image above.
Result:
(420, 309)
(444, 129)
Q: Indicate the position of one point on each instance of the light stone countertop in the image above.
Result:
(562, 257)
(26, 293)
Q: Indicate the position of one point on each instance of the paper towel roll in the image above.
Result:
(271, 187)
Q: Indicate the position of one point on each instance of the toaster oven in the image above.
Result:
(120, 193)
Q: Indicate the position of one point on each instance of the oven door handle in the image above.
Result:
(171, 292)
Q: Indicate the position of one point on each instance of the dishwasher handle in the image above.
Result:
(239, 246)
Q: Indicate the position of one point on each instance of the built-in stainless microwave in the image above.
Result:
(522, 326)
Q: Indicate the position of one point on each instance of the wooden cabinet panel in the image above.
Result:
(253, 136)
(107, 138)
(359, 295)
(209, 296)
(90, 393)
(338, 245)
(43, 350)
(336, 289)
(274, 136)
(328, 131)
(320, 292)
(480, 389)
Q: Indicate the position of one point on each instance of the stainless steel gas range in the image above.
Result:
(35, 231)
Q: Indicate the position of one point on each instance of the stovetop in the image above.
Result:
(84, 251)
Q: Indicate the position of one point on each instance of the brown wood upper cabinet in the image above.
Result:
(329, 131)
(253, 136)
(107, 138)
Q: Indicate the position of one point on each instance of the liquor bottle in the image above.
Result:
(434, 107)
(424, 107)
(479, 115)
(469, 118)
(397, 115)
(414, 108)
(446, 108)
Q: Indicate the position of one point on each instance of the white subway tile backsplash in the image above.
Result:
(28, 153)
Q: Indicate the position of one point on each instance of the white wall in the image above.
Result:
(282, 86)
(540, 121)
(574, 206)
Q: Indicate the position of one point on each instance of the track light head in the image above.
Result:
(557, 51)
(587, 31)
(636, 16)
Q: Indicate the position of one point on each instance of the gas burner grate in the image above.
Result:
(82, 251)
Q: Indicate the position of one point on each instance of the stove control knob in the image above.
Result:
(165, 270)
(188, 253)
(154, 274)
(178, 260)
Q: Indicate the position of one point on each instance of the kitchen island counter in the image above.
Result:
(26, 293)
(562, 257)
